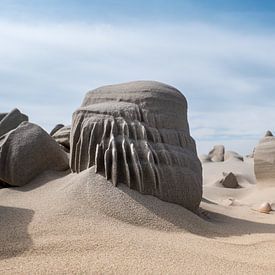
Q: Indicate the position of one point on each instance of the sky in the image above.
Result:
(219, 54)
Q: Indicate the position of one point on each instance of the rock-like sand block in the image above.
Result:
(137, 133)
(27, 151)
(264, 160)
(217, 153)
(229, 180)
(9, 121)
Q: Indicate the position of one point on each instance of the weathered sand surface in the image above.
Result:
(69, 223)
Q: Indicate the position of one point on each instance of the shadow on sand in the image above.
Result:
(216, 225)
(14, 221)
(42, 179)
(14, 237)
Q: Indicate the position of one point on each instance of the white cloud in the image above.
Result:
(238, 129)
(227, 76)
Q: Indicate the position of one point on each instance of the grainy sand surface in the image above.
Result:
(79, 223)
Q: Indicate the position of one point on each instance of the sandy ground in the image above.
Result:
(68, 223)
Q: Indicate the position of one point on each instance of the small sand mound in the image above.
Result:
(88, 193)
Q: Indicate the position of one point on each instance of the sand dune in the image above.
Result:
(79, 223)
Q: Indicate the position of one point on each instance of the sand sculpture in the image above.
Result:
(264, 160)
(217, 153)
(137, 133)
(229, 180)
(27, 151)
(9, 121)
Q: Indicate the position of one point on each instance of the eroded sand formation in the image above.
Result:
(137, 133)
(26, 152)
(218, 154)
(264, 159)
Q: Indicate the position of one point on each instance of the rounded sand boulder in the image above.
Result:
(27, 151)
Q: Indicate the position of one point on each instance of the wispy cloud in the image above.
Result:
(227, 76)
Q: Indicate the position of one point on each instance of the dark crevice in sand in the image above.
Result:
(14, 236)
(230, 226)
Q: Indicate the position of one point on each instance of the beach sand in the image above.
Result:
(80, 223)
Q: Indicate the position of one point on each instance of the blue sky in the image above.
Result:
(220, 54)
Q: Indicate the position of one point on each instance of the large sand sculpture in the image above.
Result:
(137, 133)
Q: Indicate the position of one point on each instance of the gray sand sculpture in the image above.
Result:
(27, 151)
(217, 153)
(9, 121)
(229, 180)
(56, 128)
(137, 133)
(62, 136)
(264, 160)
